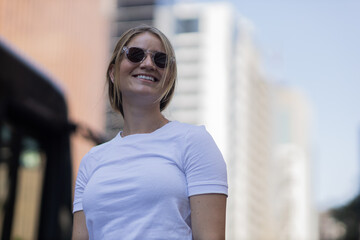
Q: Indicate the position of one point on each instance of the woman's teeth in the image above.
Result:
(146, 77)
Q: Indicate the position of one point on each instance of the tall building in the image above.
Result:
(249, 211)
(220, 84)
(292, 202)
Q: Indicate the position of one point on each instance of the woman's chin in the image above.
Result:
(147, 94)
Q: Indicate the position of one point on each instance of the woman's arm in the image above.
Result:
(80, 231)
(208, 213)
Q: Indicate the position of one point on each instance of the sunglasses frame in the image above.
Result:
(146, 52)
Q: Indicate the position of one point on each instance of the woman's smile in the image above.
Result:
(146, 77)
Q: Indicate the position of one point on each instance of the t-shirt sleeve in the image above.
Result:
(205, 168)
(81, 182)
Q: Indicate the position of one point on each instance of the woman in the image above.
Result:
(157, 179)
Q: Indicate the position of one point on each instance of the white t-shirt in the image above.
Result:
(138, 186)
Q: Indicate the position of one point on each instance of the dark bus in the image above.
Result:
(35, 163)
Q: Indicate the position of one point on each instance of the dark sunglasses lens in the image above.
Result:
(160, 59)
(135, 54)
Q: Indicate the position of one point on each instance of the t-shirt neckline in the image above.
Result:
(146, 134)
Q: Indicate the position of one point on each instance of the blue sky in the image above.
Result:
(314, 46)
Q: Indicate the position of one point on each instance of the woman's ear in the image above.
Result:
(112, 73)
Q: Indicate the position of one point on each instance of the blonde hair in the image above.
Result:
(169, 77)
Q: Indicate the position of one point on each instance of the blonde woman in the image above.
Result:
(157, 179)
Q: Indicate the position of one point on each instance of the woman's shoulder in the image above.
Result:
(190, 131)
(183, 127)
(101, 149)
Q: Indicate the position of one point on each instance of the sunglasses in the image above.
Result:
(138, 55)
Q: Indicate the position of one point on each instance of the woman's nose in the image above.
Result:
(148, 62)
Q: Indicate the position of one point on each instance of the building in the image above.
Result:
(292, 205)
(249, 212)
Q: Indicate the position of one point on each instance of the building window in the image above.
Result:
(187, 25)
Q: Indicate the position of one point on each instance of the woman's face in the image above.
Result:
(142, 81)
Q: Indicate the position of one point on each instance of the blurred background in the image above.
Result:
(275, 82)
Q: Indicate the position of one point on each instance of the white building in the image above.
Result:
(293, 207)
(249, 212)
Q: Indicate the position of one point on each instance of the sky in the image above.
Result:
(314, 46)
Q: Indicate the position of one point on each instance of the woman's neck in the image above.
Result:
(142, 120)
